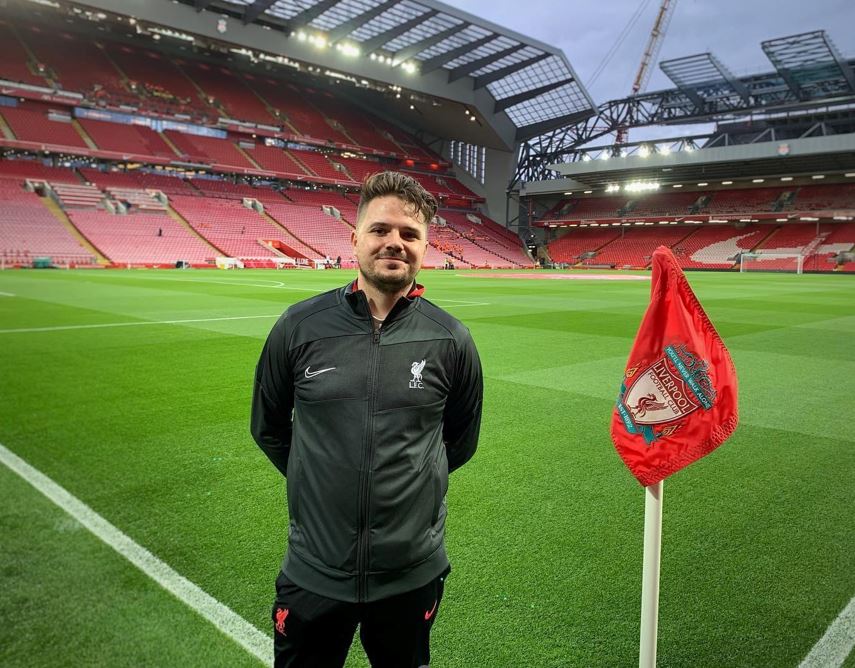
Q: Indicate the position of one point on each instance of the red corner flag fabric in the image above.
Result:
(678, 399)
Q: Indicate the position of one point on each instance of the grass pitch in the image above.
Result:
(131, 389)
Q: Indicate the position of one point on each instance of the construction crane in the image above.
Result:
(651, 52)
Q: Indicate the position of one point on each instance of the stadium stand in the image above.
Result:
(579, 241)
(318, 164)
(78, 64)
(663, 204)
(278, 161)
(141, 238)
(328, 235)
(840, 239)
(29, 230)
(820, 198)
(15, 63)
(77, 195)
(31, 169)
(750, 200)
(717, 246)
(161, 87)
(226, 92)
(33, 124)
(219, 153)
(133, 139)
(137, 179)
(635, 246)
(229, 226)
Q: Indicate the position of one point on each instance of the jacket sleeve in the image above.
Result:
(462, 418)
(273, 398)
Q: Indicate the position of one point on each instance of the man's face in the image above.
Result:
(389, 243)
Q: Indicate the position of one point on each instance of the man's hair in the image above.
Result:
(401, 186)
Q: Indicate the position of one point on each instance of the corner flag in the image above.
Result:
(678, 398)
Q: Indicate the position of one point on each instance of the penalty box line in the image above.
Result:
(221, 616)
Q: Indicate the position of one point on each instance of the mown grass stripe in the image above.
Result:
(221, 616)
(133, 323)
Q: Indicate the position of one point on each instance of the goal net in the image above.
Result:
(781, 262)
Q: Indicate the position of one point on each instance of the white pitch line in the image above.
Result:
(221, 616)
(832, 649)
(6, 294)
(134, 323)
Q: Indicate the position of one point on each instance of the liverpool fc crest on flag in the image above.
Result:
(678, 398)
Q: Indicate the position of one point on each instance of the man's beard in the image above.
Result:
(388, 283)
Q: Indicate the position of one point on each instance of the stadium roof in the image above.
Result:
(530, 82)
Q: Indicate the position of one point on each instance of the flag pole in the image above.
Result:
(650, 574)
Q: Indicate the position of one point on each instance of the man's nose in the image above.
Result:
(393, 240)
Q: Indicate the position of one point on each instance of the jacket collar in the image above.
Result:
(357, 300)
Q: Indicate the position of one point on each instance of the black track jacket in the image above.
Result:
(366, 425)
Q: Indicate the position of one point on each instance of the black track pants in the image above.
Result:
(311, 631)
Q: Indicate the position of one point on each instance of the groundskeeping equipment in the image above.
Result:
(677, 403)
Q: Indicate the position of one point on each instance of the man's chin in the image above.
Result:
(390, 281)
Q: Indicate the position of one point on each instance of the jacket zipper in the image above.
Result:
(365, 478)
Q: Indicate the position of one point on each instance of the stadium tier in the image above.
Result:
(830, 197)
(278, 161)
(15, 62)
(37, 126)
(233, 229)
(220, 153)
(329, 236)
(133, 139)
(31, 169)
(318, 164)
(29, 230)
(75, 63)
(635, 246)
(717, 247)
(750, 200)
(142, 238)
(663, 204)
(579, 241)
(136, 179)
(226, 92)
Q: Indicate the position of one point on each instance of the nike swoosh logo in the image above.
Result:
(429, 614)
(312, 374)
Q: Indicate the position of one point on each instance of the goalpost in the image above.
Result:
(780, 262)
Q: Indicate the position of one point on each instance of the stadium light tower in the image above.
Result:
(651, 51)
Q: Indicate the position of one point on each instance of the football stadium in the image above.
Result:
(174, 174)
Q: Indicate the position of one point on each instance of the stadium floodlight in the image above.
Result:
(643, 151)
(604, 155)
(688, 148)
(641, 186)
(677, 185)
(849, 175)
(612, 187)
(786, 178)
(301, 36)
(757, 180)
(726, 183)
(588, 192)
(818, 176)
(348, 49)
(587, 158)
(702, 184)
(663, 150)
(409, 67)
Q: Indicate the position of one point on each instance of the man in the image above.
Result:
(366, 397)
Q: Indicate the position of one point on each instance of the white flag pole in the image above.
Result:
(650, 574)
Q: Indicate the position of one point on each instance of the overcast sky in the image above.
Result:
(731, 29)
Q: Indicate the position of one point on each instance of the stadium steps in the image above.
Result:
(5, 129)
(169, 143)
(85, 135)
(32, 59)
(248, 157)
(270, 219)
(58, 213)
(181, 221)
(302, 165)
(123, 77)
(762, 241)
